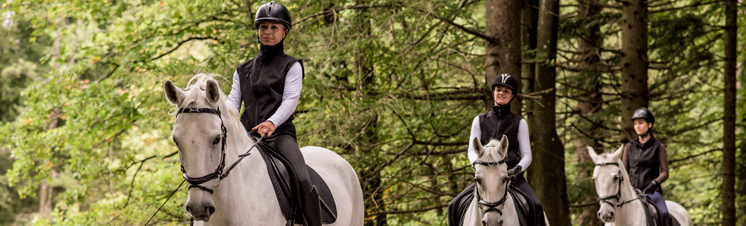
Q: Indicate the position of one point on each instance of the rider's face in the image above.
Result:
(271, 33)
(641, 126)
(502, 95)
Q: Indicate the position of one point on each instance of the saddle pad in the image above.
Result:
(328, 207)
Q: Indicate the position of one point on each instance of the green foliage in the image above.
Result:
(387, 85)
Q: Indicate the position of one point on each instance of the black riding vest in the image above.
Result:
(498, 122)
(644, 163)
(262, 82)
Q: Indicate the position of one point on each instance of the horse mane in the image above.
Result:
(198, 83)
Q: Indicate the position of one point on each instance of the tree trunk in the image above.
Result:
(589, 56)
(548, 167)
(529, 20)
(634, 61)
(729, 116)
(503, 22)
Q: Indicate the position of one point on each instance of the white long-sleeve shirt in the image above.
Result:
(290, 96)
(523, 143)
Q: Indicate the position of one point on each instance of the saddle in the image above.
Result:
(653, 215)
(523, 205)
(287, 189)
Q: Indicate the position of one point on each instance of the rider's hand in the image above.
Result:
(651, 187)
(265, 128)
(514, 171)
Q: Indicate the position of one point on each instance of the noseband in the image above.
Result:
(618, 195)
(492, 206)
(219, 173)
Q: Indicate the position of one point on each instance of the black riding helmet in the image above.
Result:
(644, 113)
(273, 11)
(506, 80)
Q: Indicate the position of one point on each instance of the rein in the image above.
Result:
(618, 195)
(492, 206)
(218, 174)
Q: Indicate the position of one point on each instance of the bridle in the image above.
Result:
(220, 173)
(618, 195)
(492, 206)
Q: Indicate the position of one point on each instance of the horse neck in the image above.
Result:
(633, 208)
(242, 189)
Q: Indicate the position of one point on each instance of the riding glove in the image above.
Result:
(651, 187)
(514, 171)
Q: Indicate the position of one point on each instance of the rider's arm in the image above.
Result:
(524, 144)
(475, 132)
(663, 159)
(290, 96)
(234, 98)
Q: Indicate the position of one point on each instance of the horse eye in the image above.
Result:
(478, 180)
(216, 141)
(616, 177)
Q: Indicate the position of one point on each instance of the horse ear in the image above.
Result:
(593, 154)
(212, 91)
(174, 94)
(503, 145)
(618, 153)
(477, 146)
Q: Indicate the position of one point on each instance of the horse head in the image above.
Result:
(609, 176)
(200, 135)
(491, 177)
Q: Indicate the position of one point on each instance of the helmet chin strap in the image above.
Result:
(646, 135)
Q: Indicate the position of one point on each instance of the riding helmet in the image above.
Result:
(644, 113)
(273, 11)
(506, 80)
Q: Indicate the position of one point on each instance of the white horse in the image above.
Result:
(627, 209)
(246, 195)
(491, 206)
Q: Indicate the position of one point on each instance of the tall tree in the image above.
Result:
(529, 20)
(634, 60)
(503, 49)
(547, 174)
(591, 100)
(729, 115)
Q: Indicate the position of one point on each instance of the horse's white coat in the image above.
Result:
(246, 196)
(630, 214)
(492, 187)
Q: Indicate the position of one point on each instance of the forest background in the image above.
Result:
(392, 86)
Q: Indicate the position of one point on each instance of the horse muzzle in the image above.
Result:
(491, 219)
(606, 217)
(201, 210)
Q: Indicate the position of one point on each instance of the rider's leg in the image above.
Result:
(521, 183)
(287, 146)
(454, 213)
(657, 198)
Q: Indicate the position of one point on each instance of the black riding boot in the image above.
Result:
(540, 219)
(311, 208)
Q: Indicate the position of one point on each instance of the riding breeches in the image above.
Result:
(657, 198)
(287, 146)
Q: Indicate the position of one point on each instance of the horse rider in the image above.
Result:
(494, 124)
(269, 86)
(646, 159)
